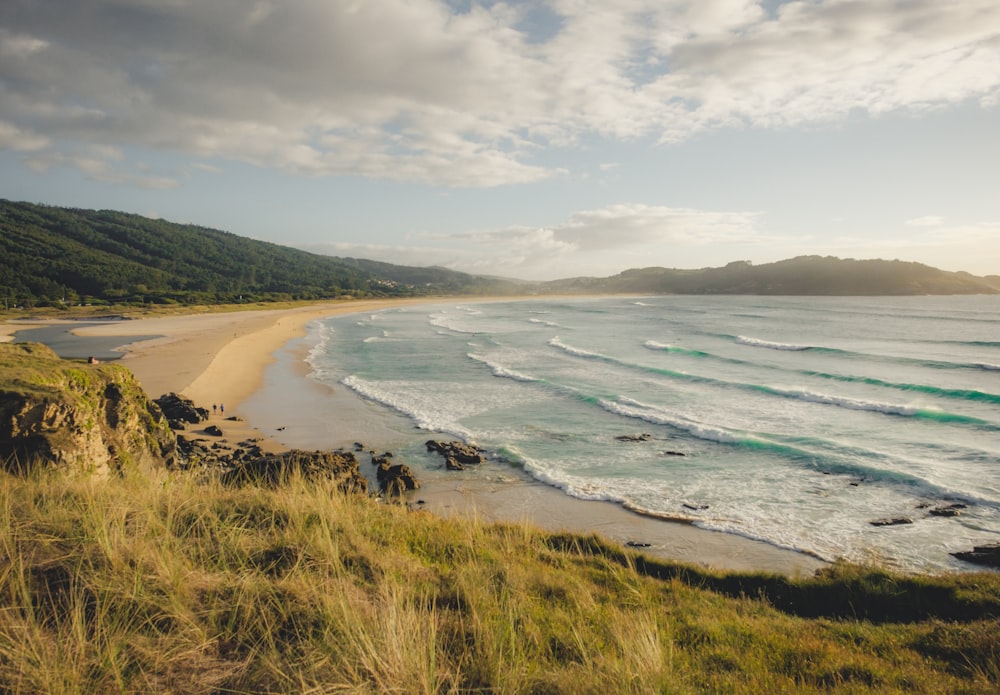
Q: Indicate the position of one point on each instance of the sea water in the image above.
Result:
(797, 421)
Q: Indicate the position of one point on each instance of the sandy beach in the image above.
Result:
(222, 358)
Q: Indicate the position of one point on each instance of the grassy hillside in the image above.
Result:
(59, 256)
(166, 583)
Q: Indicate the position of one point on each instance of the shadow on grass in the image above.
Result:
(841, 591)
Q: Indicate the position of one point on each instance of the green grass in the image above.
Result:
(158, 582)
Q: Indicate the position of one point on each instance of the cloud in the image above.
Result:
(939, 245)
(926, 221)
(412, 90)
(596, 242)
(20, 139)
(100, 163)
(635, 224)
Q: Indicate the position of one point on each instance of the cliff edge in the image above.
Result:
(92, 417)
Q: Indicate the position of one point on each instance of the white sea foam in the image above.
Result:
(655, 345)
(851, 403)
(756, 342)
(556, 343)
(542, 322)
(500, 370)
(403, 399)
(659, 416)
(324, 334)
(445, 321)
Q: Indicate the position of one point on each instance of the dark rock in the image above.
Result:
(274, 469)
(463, 453)
(452, 464)
(235, 418)
(695, 507)
(213, 430)
(644, 437)
(891, 521)
(674, 453)
(988, 555)
(948, 510)
(182, 409)
(381, 459)
(395, 479)
(637, 544)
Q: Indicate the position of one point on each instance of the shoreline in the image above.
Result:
(226, 358)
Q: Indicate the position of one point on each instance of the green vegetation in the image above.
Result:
(61, 257)
(160, 582)
(89, 416)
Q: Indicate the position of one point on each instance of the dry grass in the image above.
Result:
(162, 583)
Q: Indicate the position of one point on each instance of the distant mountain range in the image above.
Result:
(57, 256)
(804, 275)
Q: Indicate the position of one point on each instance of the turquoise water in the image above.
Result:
(796, 421)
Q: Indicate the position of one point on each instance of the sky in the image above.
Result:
(537, 140)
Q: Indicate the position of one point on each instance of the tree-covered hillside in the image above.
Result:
(54, 255)
(60, 256)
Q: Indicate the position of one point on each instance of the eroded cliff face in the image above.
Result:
(93, 417)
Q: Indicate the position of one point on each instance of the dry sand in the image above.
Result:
(218, 359)
(221, 358)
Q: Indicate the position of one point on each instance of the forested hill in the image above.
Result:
(804, 275)
(54, 256)
(58, 256)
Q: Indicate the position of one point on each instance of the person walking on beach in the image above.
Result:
(215, 408)
(222, 408)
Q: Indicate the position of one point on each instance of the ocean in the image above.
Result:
(797, 421)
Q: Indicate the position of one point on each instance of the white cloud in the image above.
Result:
(595, 242)
(926, 221)
(19, 46)
(409, 90)
(634, 224)
(100, 163)
(20, 139)
(936, 244)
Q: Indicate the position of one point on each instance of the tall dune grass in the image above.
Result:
(164, 583)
